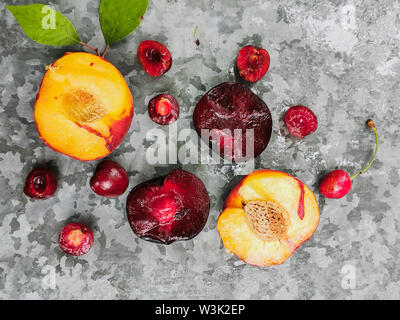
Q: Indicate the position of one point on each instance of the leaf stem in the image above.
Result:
(105, 50)
(373, 128)
(90, 47)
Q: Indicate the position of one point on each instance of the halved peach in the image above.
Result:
(84, 107)
(267, 216)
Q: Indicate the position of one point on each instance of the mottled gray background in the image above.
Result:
(345, 70)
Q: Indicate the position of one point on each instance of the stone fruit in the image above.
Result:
(301, 121)
(337, 183)
(84, 107)
(41, 183)
(252, 63)
(154, 58)
(163, 109)
(170, 208)
(109, 179)
(267, 216)
(75, 239)
(226, 114)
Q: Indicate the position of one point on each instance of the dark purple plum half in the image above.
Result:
(229, 107)
(170, 208)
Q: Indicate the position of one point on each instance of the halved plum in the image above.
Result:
(170, 208)
(154, 57)
(226, 113)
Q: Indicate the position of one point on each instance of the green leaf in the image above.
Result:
(119, 18)
(45, 25)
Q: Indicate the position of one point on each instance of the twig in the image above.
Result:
(105, 51)
(90, 47)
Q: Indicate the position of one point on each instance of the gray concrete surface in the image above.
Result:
(340, 58)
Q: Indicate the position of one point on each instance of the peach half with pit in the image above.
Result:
(267, 216)
(84, 107)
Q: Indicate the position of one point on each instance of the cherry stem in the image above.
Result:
(105, 50)
(90, 47)
(373, 128)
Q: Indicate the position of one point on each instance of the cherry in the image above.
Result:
(163, 109)
(75, 239)
(252, 63)
(41, 183)
(301, 121)
(109, 179)
(154, 57)
(337, 183)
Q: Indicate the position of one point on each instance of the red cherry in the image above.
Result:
(163, 109)
(252, 63)
(109, 179)
(301, 121)
(41, 183)
(337, 183)
(75, 239)
(154, 57)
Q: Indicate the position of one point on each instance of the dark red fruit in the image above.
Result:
(301, 121)
(109, 179)
(41, 183)
(231, 106)
(163, 109)
(75, 239)
(170, 208)
(154, 57)
(335, 185)
(253, 63)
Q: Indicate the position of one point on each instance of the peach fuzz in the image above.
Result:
(84, 107)
(267, 216)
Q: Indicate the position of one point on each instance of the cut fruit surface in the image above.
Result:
(301, 121)
(170, 208)
(163, 109)
(267, 216)
(252, 63)
(76, 239)
(41, 183)
(84, 107)
(234, 120)
(154, 57)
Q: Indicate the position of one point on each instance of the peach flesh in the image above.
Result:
(84, 107)
(267, 216)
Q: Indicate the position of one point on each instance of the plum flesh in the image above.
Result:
(229, 107)
(169, 208)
